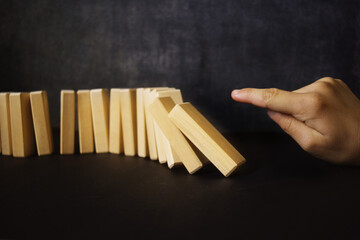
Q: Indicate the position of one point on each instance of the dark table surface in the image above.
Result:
(280, 193)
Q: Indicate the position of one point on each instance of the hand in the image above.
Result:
(323, 117)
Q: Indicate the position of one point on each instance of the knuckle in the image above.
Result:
(269, 94)
(327, 79)
(317, 102)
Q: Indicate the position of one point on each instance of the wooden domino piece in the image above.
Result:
(142, 144)
(100, 115)
(22, 129)
(115, 134)
(170, 156)
(206, 138)
(160, 109)
(41, 120)
(67, 122)
(128, 118)
(6, 143)
(85, 123)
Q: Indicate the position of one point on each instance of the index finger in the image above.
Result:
(273, 99)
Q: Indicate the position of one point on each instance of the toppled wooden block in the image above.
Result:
(85, 123)
(67, 122)
(160, 109)
(6, 143)
(115, 134)
(206, 138)
(100, 115)
(128, 118)
(142, 144)
(22, 129)
(41, 119)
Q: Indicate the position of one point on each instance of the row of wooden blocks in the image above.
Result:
(148, 122)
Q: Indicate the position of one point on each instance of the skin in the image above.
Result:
(323, 117)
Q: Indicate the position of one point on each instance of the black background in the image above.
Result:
(206, 48)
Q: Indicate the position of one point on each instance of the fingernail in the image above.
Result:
(236, 93)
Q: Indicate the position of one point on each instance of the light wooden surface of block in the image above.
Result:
(6, 143)
(85, 123)
(160, 109)
(115, 131)
(149, 122)
(206, 138)
(41, 120)
(142, 144)
(170, 156)
(67, 122)
(128, 118)
(22, 129)
(100, 115)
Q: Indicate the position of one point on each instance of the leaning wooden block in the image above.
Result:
(115, 134)
(100, 115)
(85, 123)
(67, 122)
(6, 143)
(170, 156)
(142, 144)
(206, 138)
(128, 118)
(22, 129)
(159, 110)
(41, 121)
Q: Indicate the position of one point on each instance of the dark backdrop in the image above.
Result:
(205, 48)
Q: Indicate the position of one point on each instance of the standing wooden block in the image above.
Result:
(85, 123)
(115, 134)
(67, 122)
(6, 144)
(160, 109)
(22, 129)
(128, 118)
(142, 144)
(206, 138)
(100, 114)
(41, 119)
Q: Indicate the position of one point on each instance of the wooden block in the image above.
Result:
(159, 110)
(206, 138)
(67, 122)
(22, 129)
(85, 123)
(163, 144)
(6, 143)
(100, 115)
(128, 118)
(41, 120)
(142, 144)
(115, 134)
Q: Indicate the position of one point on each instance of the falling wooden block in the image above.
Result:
(6, 143)
(22, 129)
(170, 157)
(115, 134)
(160, 109)
(206, 138)
(128, 118)
(85, 123)
(142, 144)
(41, 120)
(67, 122)
(100, 115)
